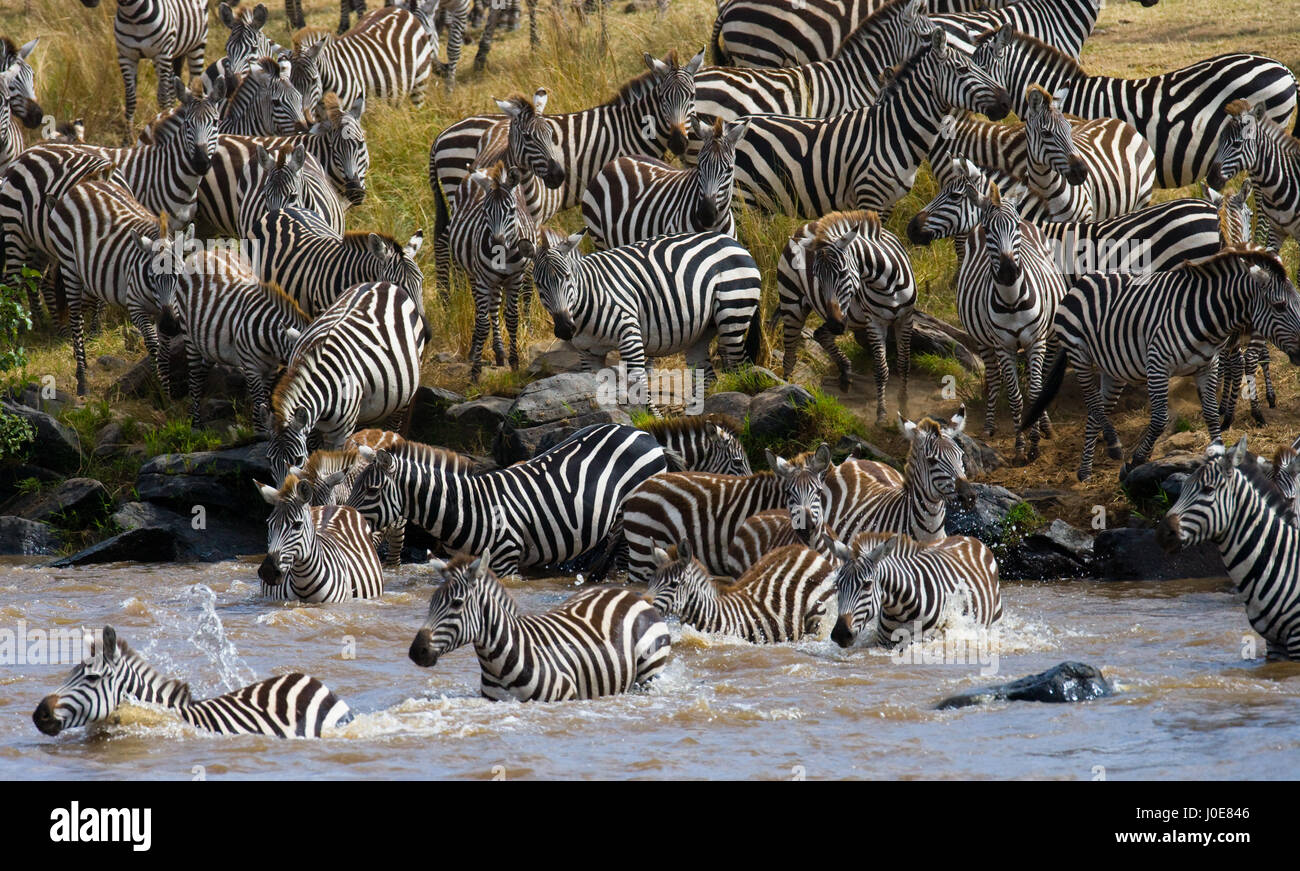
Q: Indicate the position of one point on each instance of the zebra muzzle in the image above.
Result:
(1214, 178)
(842, 634)
(564, 328)
(269, 571)
(1076, 171)
(917, 233)
(45, 717)
(34, 115)
(554, 176)
(422, 652)
(1169, 533)
(356, 193)
(1008, 270)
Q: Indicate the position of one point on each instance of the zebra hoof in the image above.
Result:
(1225, 420)
(1115, 452)
(1272, 399)
(1258, 417)
(1083, 476)
(846, 382)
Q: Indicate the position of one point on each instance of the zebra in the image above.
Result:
(530, 148)
(648, 115)
(293, 12)
(1008, 290)
(244, 45)
(71, 132)
(663, 296)
(1285, 476)
(228, 200)
(228, 316)
(766, 531)
(867, 158)
(302, 255)
(896, 591)
(1122, 328)
(700, 443)
(304, 74)
(278, 185)
(1252, 141)
(265, 102)
(22, 82)
(1228, 501)
(319, 553)
(1179, 113)
(288, 706)
(802, 521)
(455, 14)
(637, 198)
(168, 32)
(11, 131)
(1075, 170)
(391, 52)
(1152, 239)
(855, 275)
(492, 237)
(111, 248)
(1063, 24)
(598, 642)
(338, 142)
(543, 512)
(786, 596)
(358, 362)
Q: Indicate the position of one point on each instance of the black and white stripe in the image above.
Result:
(263, 102)
(22, 81)
(11, 131)
(700, 443)
(1253, 142)
(245, 44)
(171, 33)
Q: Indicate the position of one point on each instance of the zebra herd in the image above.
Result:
(821, 110)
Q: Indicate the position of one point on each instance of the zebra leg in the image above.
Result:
(1158, 396)
(255, 383)
(792, 340)
(1036, 354)
(902, 350)
(482, 323)
(1231, 368)
(1011, 384)
(455, 39)
(345, 8)
(198, 376)
(442, 260)
(826, 339)
(78, 333)
(1207, 383)
(293, 12)
(394, 537)
(494, 321)
(533, 39)
(1270, 394)
(164, 67)
(992, 384)
(1097, 424)
(880, 360)
(145, 325)
(130, 68)
(513, 291)
(485, 41)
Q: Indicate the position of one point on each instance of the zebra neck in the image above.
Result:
(311, 563)
(1052, 72)
(911, 114)
(499, 637)
(1062, 199)
(1257, 540)
(998, 147)
(1276, 173)
(702, 607)
(443, 500)
(144, 684)
(141, 11)
(925, 516)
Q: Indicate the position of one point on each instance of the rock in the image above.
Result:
(76, 502)
(428, 416)
(933, 336)
(731, 403)
(1067, 682)
(776, 412)
(850, 446)
(148, 544)
(463, 425)
(554, 361)
(33, 395)
(486, 413)
(560, 397)
(22, 537)
(112, 364)
(110, 441)
(56, 446)
(12, 474)
(1043, 498)
(1133, 555)
(515, 445)
(219, 536)
(1059, 550)
(986, 517)
(981, 458)
(214, 479)
(215, 409)
(1146, 481)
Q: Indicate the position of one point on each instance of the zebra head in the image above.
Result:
(1049, 137)
(993, 51)
(1238, 148)
(960, 83)
(675, 579)
(155, 277)
(456, 609)
(22, 83)
(290, 530)
(1275, 304)
(723, 452)
(501, 207)
(200, 119)
(555, 272)
(304, 71)
(533, 143)
(1001, 224)
(805, 490)
(834, 270)
(1286, 472)
(376, 492)
(955, 210)
(349, 158)
(1206, 505)
(396, 262)
(246, 40)
(268, 95)
(109, 673)
(282, 176)
(935, 457)
(856, 583)
(672, 99)
(288, 444)
(715, 171)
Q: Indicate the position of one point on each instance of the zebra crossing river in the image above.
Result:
(1188, 701)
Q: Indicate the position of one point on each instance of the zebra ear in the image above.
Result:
(508, 107)
(694, 64)
(882, 550)
(358, 108)
(660, 557)
(302, 491)
(848, 237)
(1060, 95)
(110, 644)
(300, 418)
(27, 49)
(259, 16)
(335, 478)
(384, 460)
(479, 568)
(298, 158)
(366, 453)
(571, 243)
(907, 428)
(269, 494)
(1237, 455)
(656, 66)
(264, 159)
(734, 131)
(821, 460)
(539, 100)
(958, 421)
(776, 464)
(218, 91)
(685, 550)
(227, 16)
(438, 565)
(376, 245)
(413, 246)
(841, 551)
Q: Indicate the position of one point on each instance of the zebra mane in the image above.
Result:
(1034, 44)
(1264, 486)
(448, 459)
(160, 127)
(897, 75)
(904, 545)
(1253, 255)
(291, 481)
(460, 562)
(637, 86)
(333, 111)
(152, 676)
(283, 303)
(360, 237)
(687, 425)
(521, 102)
(836, 223)
(873, 20)
(8, 48)
(344, 458)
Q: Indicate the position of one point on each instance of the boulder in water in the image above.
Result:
(1067, 682)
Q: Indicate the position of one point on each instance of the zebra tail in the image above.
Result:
(754, 338)
(441, 223)
(1051, 386)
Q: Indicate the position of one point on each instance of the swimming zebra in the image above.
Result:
(264, 102)
(288, 706)
(492, 237)
(1122, 328)
(244, 45)
(855, 275)
(293, 12)
(787, 596)
(895, 590)
(228, 316)
(1228, 501)
(1152, 239)
(22, 82)
(229, 202)
(1008, 290)
(317, 553)
(171, 33)
(110, 248)
(803, 520)
(1179, 113)
(598, 642)
(543, 512)
(307, 260)
(1075, 170)
(867, 158)
(648, 115)
(358, 362)
(765, 532)
(638, 198)
(663, 296)
(700, 443)
(391, 52)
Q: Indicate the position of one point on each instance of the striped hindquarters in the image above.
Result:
(290, 706)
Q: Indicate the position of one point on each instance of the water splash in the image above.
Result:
(209, 636)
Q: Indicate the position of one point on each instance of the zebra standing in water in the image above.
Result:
(171, 33)
(544, 512)
(492, 237)
(1178, 113)
(227, 316)
(867, 158)
(317, 553)
(22, 82)
(391, 52)
(667, 295)
(359, 362)
(1228, 501)
(694, 443)
(289, 706)
(1008, 289)
(786, 596)
(599, 642)
(637, 198)
(856, 275)
(802, 521)
(1117, 329)
(889, 589)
